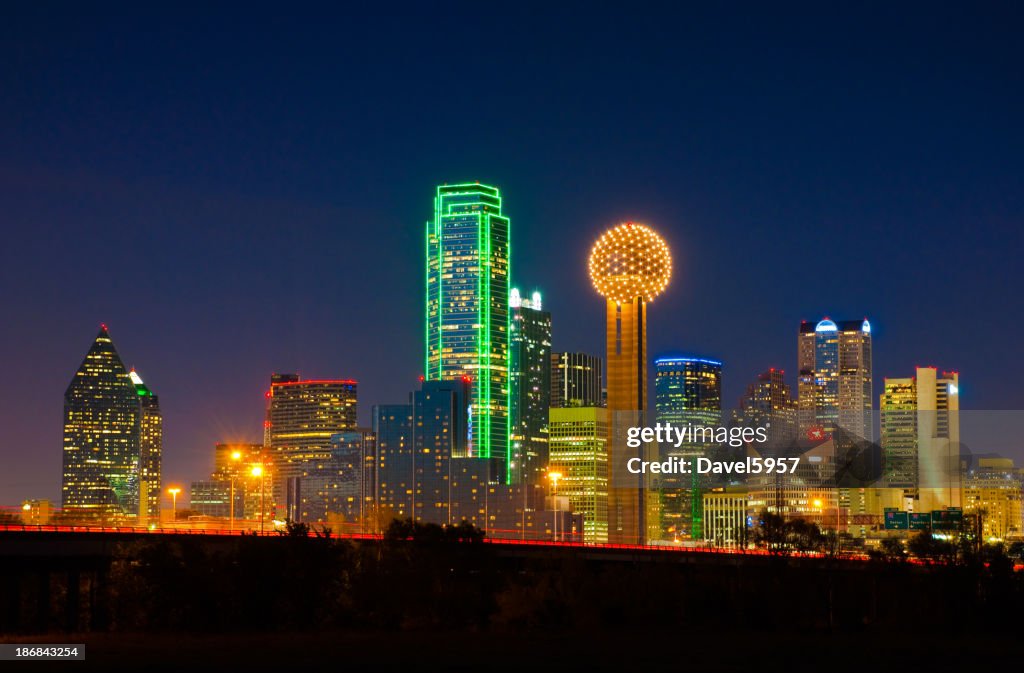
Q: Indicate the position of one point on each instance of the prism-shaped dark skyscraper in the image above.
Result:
(108, 417)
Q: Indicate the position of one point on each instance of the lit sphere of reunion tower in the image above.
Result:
(630, 261)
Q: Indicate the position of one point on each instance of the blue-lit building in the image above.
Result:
(687, 391)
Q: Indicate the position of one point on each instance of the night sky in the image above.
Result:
(241, 192)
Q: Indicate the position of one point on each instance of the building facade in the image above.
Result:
(992, 490)
(467, 314)
(108, 422)
(768, 403)
(920, 436)
(302, 418)
(442, 428)
(339, 486)
(393, 428)
(577, 380)
(834, 384)
(530, 387)
(579, 439)
(151, 448)
(687, 391)
(725, 518)
(233, 492)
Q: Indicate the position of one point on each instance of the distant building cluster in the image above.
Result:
(508, 434)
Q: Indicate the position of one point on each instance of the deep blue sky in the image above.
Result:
(242, 191)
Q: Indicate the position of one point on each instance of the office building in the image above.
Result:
(211, 498)
(233, 492)
(441, 431)
(393, 428)
(726, 517)
(577, 380)
(898, 412)
(530, 387)
(834, 381)
(467, 314)
(578, 441)
(151, 444)
(510, 511)
(992, 490)
(302, 418)
(920, 436)
(339, 486)
(108, 421)
(687, 391)
(768, 404)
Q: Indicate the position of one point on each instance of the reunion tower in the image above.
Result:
(630, 265)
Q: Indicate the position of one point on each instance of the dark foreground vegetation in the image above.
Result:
(432, 588)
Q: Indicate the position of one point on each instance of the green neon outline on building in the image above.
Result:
(486, 359)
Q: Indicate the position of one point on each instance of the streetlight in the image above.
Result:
(174, 491)
(257, 471)
(235, 456)
(554, 477)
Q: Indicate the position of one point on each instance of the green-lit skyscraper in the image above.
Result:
(467, 290)
(112, 439)
(530, 386)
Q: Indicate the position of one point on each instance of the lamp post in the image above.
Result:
(235, 456)
(554, 477)
(257, 471)
(174, 491)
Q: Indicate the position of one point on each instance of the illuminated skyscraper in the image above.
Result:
(577, 380)
(921, 436)
(107, 421)
(629, 266)
(302, 418)
(579, 453)
(898, 412)
(834, 385)
(151, 445)
(530, 384)
(467, 317)
(687, 391)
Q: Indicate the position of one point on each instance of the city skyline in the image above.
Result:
(224, 247)
(805, 326)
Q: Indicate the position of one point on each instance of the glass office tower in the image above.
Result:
(102, 436)
(687, 391)
(467, 316)
(530, 386)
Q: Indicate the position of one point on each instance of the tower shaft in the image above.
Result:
(626, 340)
